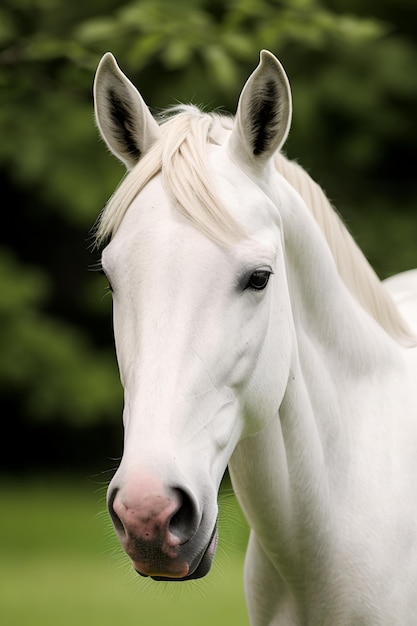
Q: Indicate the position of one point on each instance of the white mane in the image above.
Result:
(180, 155)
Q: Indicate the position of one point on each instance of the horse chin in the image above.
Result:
(199, 568)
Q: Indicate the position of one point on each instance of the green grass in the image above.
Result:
(60, 565)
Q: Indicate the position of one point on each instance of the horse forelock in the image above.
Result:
(180, 155)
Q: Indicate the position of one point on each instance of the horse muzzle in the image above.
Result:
(199, 567)
(163, 532)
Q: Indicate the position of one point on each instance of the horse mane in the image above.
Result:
(179, 154)
(352, 265)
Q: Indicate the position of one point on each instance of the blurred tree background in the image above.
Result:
(352, 66)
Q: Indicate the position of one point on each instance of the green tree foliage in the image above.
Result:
(353, 74)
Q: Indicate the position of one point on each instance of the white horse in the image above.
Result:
(251, 332)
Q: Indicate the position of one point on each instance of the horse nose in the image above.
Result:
(152, 526)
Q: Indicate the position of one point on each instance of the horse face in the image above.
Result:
(192, 330)
(199, 345)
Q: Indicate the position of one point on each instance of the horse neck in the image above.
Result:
(341, 358)
(343, 361)
(338, 344)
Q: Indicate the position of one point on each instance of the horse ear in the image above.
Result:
(124, 120)
(263, 115)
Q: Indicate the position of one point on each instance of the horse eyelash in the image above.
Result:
(98, 267)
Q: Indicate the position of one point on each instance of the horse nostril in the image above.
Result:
(117, 522)
(183, 523)
(171, 515)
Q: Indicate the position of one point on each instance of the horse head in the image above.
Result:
(194, 259)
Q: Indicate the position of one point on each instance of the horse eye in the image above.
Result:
(259, 279)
